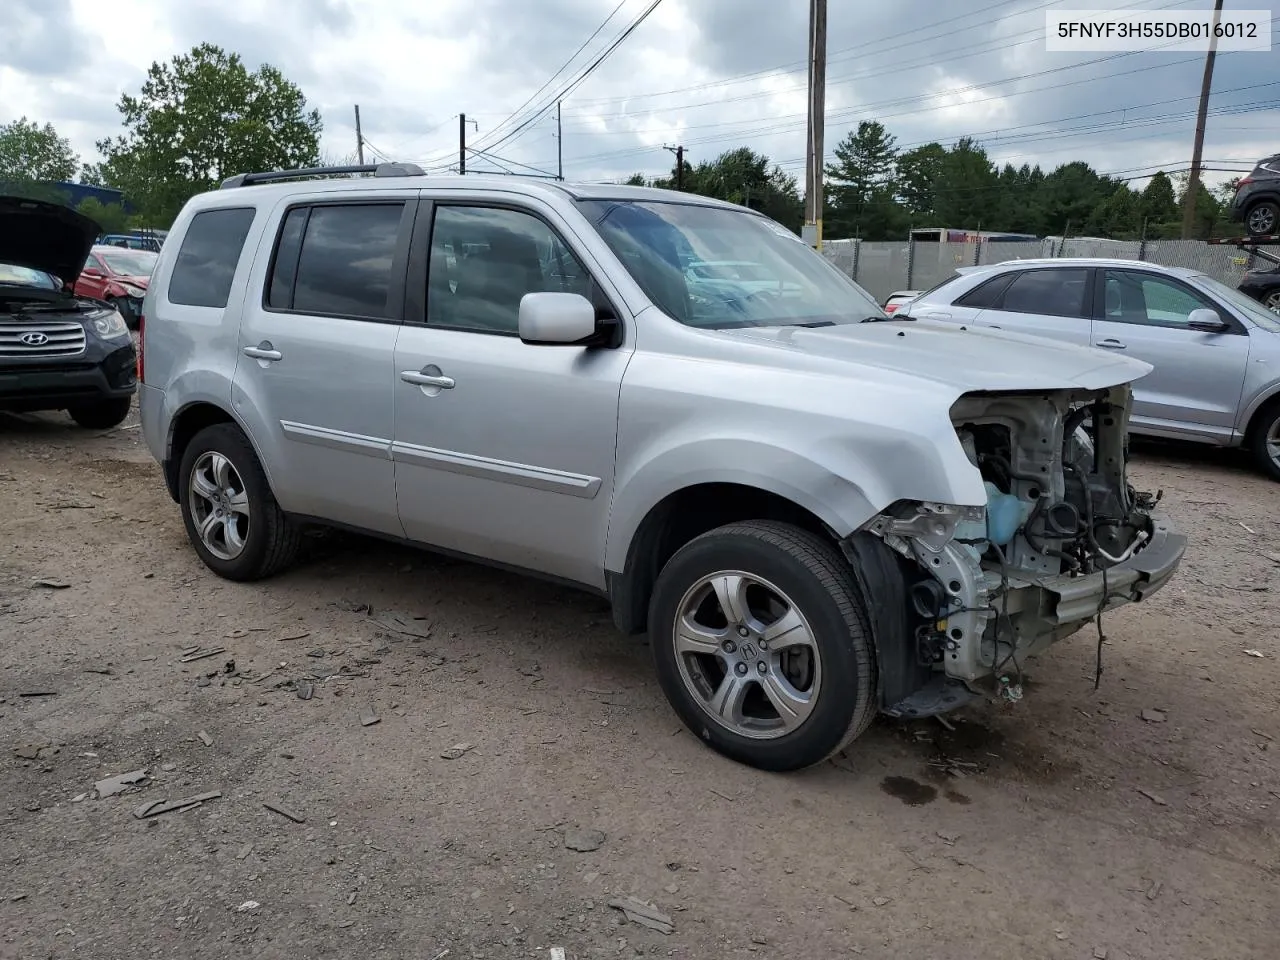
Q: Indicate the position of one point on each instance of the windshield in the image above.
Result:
(1250, 308)
(131, 263)
(789, 284)
(26, 277)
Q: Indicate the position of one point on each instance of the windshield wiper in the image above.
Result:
(814, 323)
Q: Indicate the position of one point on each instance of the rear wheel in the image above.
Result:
(1266, 441)
(1263, 219)
(101, 414)
(1272, 300)
(230, 513)
(761, 644)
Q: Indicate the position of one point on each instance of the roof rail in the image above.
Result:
(271, 176)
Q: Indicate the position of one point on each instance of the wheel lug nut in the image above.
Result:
(730, 646)
(741, 669)
(742, 631)
(762, 667)
(764, 644)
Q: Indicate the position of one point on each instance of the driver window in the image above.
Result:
(1149, 300)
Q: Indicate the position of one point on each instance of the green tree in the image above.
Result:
(1159, 204)
(110, 217)
(1119, 217)
(198, 119)
(967, 188)
(918, 172)
(860, 190)
(30, 153)
(637, 180)
(1208, 209)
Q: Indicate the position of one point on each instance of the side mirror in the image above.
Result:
(91, 272)
(1207, 321)
(556, 319)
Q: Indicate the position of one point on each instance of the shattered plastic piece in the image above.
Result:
(48, 583)
(368, 717)
(1154, 798)
(457, 750)
(639, 912)
(203, 654)
(1154, 716)
(247, 906)
(157, 807)
(583, 841)
(205, 738)
(1254, 653)
(285, 812)
(112, 786)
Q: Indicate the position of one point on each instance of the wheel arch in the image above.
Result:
(689, 512)
(183, 427)
(1258, 409)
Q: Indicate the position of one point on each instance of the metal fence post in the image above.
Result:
(911, 260)
(857, 255)
(977, 253)
(1142, 241)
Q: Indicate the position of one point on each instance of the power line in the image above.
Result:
(582, 76)
(595, 33)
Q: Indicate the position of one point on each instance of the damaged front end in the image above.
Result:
(1062, 538)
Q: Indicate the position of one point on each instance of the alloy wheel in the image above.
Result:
(747, 654)
(219, 505)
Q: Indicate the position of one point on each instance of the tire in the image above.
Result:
(1262, 219)
(1266, 441)
(1271, 300)
(815, 581)
(259, 540)
(101, 414)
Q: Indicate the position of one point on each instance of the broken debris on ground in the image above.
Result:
(644, 914)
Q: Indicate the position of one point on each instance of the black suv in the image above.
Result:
(1257, 200)
(58, 351)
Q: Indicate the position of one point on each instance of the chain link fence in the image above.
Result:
(885, 267)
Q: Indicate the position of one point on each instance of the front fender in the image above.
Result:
(844, 482)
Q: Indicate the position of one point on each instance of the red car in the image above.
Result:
(119, 276)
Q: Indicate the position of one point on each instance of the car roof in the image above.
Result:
(1079, 262)
(522, 186)
(113, 248)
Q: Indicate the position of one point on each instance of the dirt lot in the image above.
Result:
(1061, 827)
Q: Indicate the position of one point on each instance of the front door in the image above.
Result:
(317, 347)
(1194, 390)
(503, 450)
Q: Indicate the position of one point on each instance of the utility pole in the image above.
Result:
(1197, 150)
(462, 143)
(817, 121)
(359, 139)
(679, 152)
(559, 145)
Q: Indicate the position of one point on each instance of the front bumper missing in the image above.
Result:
(1071, 600)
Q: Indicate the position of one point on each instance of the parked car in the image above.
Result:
(58, 351)
(132, 241)
(1215, 352)
(899, 299)
(119, 276)
(814, 517)
(1257, 199)
(1263, 286)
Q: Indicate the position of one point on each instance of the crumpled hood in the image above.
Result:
(963, 359)
(134, 280)
(45, 236)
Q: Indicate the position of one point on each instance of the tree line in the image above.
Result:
(204, 116)
(876, 191)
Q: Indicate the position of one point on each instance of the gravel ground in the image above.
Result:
(1137, 821)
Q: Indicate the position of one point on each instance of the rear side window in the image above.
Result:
(337, 260)
(207, 259)
(986, 294)
(1052, 293)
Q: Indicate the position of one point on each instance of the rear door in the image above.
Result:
(1195, 387)
(317, 347)
(1053, 302)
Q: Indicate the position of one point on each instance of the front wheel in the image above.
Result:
(101, 414)
(1266, 441)
(1263, 219)
(230, 513)
(762, 645)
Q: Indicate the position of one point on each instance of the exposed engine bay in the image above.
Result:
(1063, 535)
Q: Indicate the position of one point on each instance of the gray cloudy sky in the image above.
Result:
(711, 74)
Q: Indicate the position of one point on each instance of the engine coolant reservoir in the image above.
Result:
(1005, 515)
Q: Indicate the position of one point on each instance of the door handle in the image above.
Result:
(1110, 344)
(263, 351)
(427, 379)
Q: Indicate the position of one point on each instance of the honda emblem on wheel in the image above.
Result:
(34, 339)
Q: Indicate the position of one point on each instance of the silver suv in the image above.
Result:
(1215, 352)
(816, 518)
